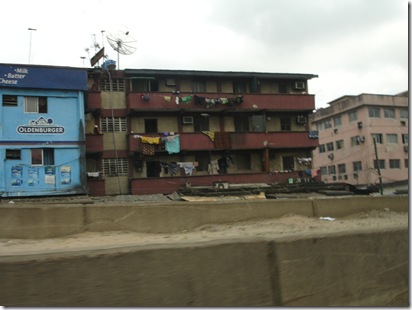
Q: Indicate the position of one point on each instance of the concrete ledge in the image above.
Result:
(49, 221)
(351, 269)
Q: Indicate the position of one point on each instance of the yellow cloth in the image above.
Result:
(210, 134)
(151, 140)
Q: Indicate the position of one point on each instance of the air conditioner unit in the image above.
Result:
(299, 85)
(403, 123)
(330, 155)
(221, 185)
(300, 119)
(360, 125)
(406, 148)
(187, 119)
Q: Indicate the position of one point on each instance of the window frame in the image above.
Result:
(113, 124)
(35, 104)
(390, 140)
(389, 113)
(394, 164)
(374, 112)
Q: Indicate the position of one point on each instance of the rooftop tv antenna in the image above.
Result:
(122, 42)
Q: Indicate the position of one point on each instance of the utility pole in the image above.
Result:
(378, 165)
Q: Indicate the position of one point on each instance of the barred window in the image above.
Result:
(113, 124)
(115, 167)
(117, 85)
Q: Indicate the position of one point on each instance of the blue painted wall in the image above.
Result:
(59, 131)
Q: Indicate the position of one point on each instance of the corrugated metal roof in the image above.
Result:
(229, 74)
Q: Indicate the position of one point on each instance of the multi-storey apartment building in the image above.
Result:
(347, 131)
(155, 131)
(42, 130)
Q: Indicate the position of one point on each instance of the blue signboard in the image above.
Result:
(27, 76)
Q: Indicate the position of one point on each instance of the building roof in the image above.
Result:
(230, 74)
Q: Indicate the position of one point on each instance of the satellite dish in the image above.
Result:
(122, 42)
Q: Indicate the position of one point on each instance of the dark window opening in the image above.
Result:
(243, 162)
(283, 89)
(288, 163)
(285, 124)
(241, 123)
(203, 160)
(150, 125)
(153, 169)
(200, 123)
(239, 87)
(9, 100)
(13, 154)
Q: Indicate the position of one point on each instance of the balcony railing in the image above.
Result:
(167, 101)
(94, 143)
(197, 141)
(93, 101)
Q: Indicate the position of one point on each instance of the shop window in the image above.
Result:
(12, 154)
(35, 104)
(9, 101)
(40, 157)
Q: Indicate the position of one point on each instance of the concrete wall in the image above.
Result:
(48, 221)
(352, 269)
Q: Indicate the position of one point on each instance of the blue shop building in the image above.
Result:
(42, 138)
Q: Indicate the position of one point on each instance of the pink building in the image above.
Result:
(347, 130)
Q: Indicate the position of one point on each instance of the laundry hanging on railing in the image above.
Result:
(304, 161)
(172, 144)
(210, 134)
(148, 145)
(208, 102)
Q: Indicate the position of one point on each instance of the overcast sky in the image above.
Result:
(355, 46)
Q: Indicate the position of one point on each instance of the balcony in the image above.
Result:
(93, 101)
(252, 102)
(196, 141)
(94, 143)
